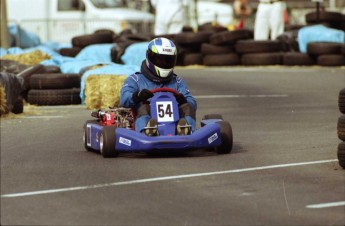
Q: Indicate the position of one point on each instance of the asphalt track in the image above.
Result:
(283, 168)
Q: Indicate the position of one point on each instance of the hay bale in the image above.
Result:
(103, 91)
(32, 58)
(3, 102)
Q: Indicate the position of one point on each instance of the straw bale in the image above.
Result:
(32, 58)
(103, 91)
(3, 102)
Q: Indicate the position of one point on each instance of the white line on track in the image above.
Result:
(241, 96)
(148, 180)
(326, 205)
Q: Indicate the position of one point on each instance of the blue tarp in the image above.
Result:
(318, 33)
(98, 54)
(3, 52)
(135, 54)
(27, 39)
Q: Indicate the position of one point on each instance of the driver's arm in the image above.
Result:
(183, 89)
(129, 87)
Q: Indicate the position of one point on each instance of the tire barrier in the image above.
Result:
(341, 154)
(341, 129)
(341, 101)
(212, 45)
(54, 96)
(10, 93)
(284, 51)
(333, 19)
(96, 38)
(70, 52)
(54, 89)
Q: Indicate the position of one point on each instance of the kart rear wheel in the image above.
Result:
(107, 142)
(213, 116)
(85, 137)
(226, 138)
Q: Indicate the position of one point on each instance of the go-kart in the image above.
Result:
(114, 130)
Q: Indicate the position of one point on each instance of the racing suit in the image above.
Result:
(146, 80)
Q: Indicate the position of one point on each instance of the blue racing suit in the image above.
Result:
(138, 81)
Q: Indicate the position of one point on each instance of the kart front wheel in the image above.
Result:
(107, 142)
(226, 138)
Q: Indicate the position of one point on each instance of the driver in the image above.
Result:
(157, 72)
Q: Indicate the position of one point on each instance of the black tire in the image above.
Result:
(13, 67)
(168, 36)
(297, 59)
(221, 59)
(107, 142)
(85, 137)
(18, 106)
(341, 127)
(192, 37)
(210, 27)
(341, 101)
(262, 59)
(70, 52)
(192, 59)
(343, 47)
(55, 81)
(212, 116)
(27, 73)
(328, 17)
(229, 37)
(341, 154)
(254, 46)
(54, 96)
(322, 48)
(209, 49)
(105, 31)
(226, 138)
(331, 60)
(139, 37)
(85, 40)
(50, 69)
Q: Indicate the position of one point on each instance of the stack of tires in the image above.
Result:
(341, 129)
(331, 19)
(104, 36)
(260, 52)
(210, 47)
(80, 42)
(227, 48)
(327, 53)
(54, 89)
(189, 44)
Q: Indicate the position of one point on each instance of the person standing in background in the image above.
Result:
(242, 10)
(269, 20)
(170, 15)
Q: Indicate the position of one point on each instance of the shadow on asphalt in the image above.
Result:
(237, 148)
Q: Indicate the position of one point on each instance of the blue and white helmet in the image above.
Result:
(161, 57)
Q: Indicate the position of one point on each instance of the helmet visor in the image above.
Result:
(162, 60)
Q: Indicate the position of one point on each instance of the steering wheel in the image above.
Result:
(165, 89)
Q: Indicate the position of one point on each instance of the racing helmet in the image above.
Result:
(161, 57)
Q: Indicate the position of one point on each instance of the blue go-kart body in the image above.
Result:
(111, 138)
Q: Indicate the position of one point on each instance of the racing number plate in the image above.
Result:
(165, 111)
